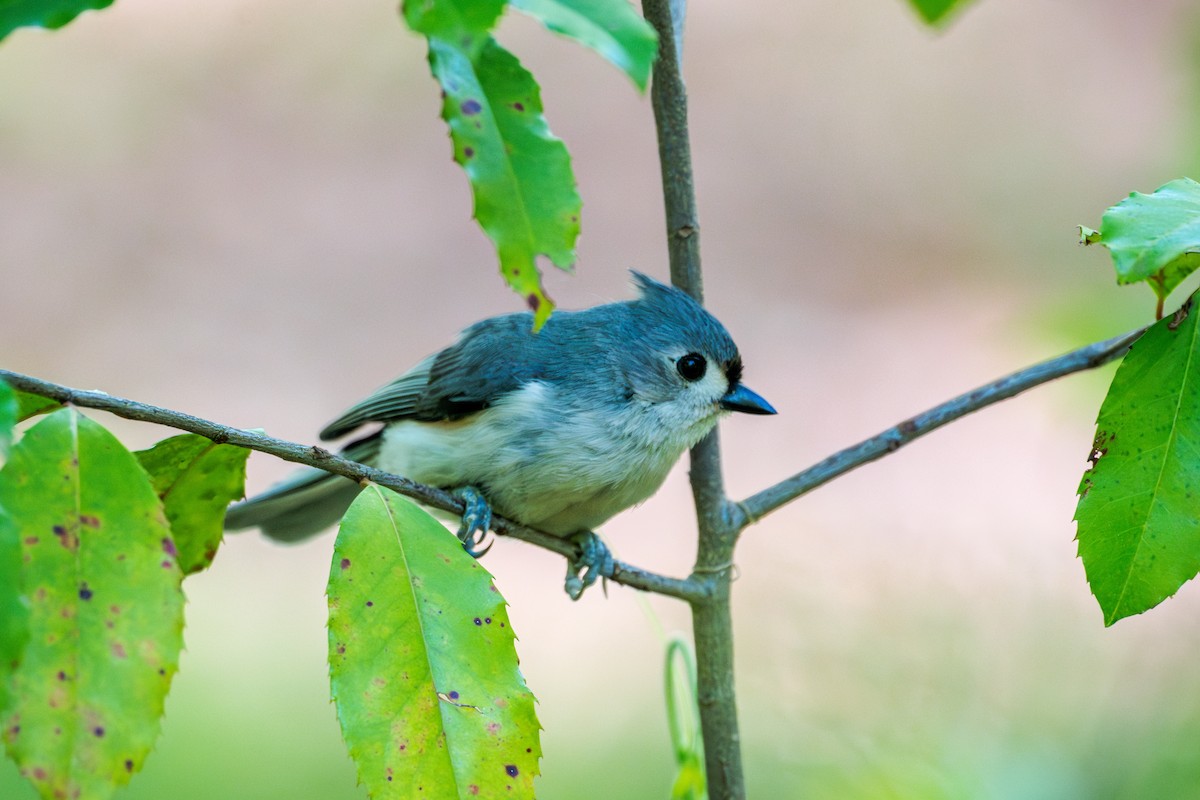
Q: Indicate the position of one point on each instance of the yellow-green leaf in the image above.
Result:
(106, 609)
(196, 480)
(423, 662)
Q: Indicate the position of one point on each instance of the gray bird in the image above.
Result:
(559, 430)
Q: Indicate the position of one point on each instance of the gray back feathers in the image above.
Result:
(604, 350)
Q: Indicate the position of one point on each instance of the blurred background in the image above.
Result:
(247, 211)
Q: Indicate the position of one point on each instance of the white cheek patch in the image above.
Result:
(714, 384)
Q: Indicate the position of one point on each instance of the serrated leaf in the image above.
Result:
(520, 174)
(1139, 505)
(610, 27)
(43, 13)
(196, 481)
(30, 405)
(1155, 237)
(8, 417)
(422, 661)
(937, 12)
(106, 609)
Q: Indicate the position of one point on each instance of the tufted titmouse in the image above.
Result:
(559, 430)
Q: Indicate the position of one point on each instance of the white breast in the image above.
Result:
(542, 462)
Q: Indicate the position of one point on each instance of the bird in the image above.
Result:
(559, 429)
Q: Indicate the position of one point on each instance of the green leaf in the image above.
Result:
(1155, 237)
(520, 174)
(1139, 505)
(8, 417)
(43, 13)
(196, 481)
(467, 22)
(30, 405)
(422, 661)
(610, 27)
(106, 609)
(14, 611)
(937, 12)
(14, 614)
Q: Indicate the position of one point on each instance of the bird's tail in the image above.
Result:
(305, 503)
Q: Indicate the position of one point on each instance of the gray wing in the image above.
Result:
(490, 359)
(397, 400)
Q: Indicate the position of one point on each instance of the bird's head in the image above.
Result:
(688, 365)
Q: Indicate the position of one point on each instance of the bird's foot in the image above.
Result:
(593, 561)
(476, 520)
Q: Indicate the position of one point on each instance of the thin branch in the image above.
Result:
(689, 589)
(1094, 355)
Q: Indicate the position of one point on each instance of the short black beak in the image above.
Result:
(742, 399)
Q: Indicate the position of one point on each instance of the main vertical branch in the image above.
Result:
(711, 618)
(669, 98)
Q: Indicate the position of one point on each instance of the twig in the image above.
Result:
(758, 506)
(689, 589)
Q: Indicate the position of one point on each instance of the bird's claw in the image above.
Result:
(593, 561)
(476, 521)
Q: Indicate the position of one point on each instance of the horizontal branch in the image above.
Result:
(759, 505)
(685, 589)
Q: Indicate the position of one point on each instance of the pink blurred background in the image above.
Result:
(248, 211)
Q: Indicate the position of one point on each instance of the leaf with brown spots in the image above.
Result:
(105, 609)
(1139, 504)
(196, 480)
(423, 662)
(520, 173)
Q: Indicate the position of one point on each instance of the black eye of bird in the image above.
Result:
(691, 367)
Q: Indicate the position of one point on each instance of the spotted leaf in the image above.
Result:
(105, 608)
(520, 174)
(423, 661)
(196, 480)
